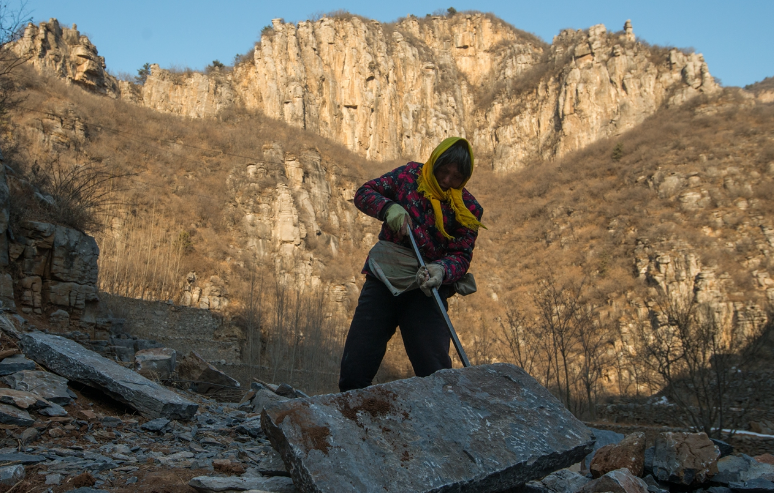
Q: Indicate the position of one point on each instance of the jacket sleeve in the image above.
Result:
(459, 251)
(376, 195)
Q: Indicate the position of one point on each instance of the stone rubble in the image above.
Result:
(53, 436)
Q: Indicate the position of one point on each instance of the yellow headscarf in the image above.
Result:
(428, 186)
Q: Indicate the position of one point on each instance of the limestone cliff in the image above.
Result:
(66, 53)
(394, 90)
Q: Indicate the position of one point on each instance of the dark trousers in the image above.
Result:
(378, 313)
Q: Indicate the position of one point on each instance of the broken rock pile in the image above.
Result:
(678, 462)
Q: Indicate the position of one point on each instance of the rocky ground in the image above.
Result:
(62, 435)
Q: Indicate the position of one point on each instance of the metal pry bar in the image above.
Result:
(455, 339)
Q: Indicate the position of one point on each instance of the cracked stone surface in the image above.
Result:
(685, 458)
(484, 428)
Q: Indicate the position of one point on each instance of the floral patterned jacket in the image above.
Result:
(400, 186)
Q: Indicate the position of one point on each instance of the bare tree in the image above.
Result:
(13, 17)
(701, 362)
(522, 335)
(561, 313)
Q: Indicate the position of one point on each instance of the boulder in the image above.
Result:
(741, 468)
(286, 390)
(482, 428)
(759, 485)
(618, 481)
(47, 385)
(155, 363)
(602, 438)
(17, 362)
(561, 481)
(10, 415)
(74, 362)
(205, 378)
(210, 484)
(271, 464)
(685, 458)
(725, 448)
(655, 486)
(629, 453)
(10, 475)
(264, 398)
(22, 399)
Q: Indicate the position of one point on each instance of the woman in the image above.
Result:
(444, 218)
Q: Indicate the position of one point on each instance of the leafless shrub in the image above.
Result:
(702, 364)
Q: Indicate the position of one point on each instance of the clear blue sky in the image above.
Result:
(736, 38)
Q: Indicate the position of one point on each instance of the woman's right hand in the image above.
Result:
(397, 218)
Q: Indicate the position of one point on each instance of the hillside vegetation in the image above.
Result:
(257, 214)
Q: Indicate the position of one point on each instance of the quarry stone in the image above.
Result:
(10, 475)
(73, 361)
(17, 362)
(205, 378)
(264, 398)
(561, 481)
(11, 415)
(602, 438)
(157, 363)
(210, 484)
(759, 485)
(22, 399)
(47, 385)
(685, 458)
(618, 481)
(629, 453)
(482, 428)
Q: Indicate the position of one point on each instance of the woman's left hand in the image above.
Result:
(429, 277)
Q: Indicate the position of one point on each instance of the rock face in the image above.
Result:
(59, 268)
(484, 428)
(66, 53)
(72, 361)
(391, 90)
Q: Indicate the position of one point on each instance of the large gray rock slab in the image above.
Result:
(211, 484)
(49, 386)
(483, 428)
(74, 362)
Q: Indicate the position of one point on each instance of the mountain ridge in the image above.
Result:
(389, 91)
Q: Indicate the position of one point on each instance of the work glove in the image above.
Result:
(429, 277)
(396, 218)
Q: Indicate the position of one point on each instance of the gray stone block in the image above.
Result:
(74, 362)
(17, 362)
(210, 484)
(483, 428)
(51, 387)
(11, 415)
(10, 475)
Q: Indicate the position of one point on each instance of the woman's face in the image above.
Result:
(448, 176)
